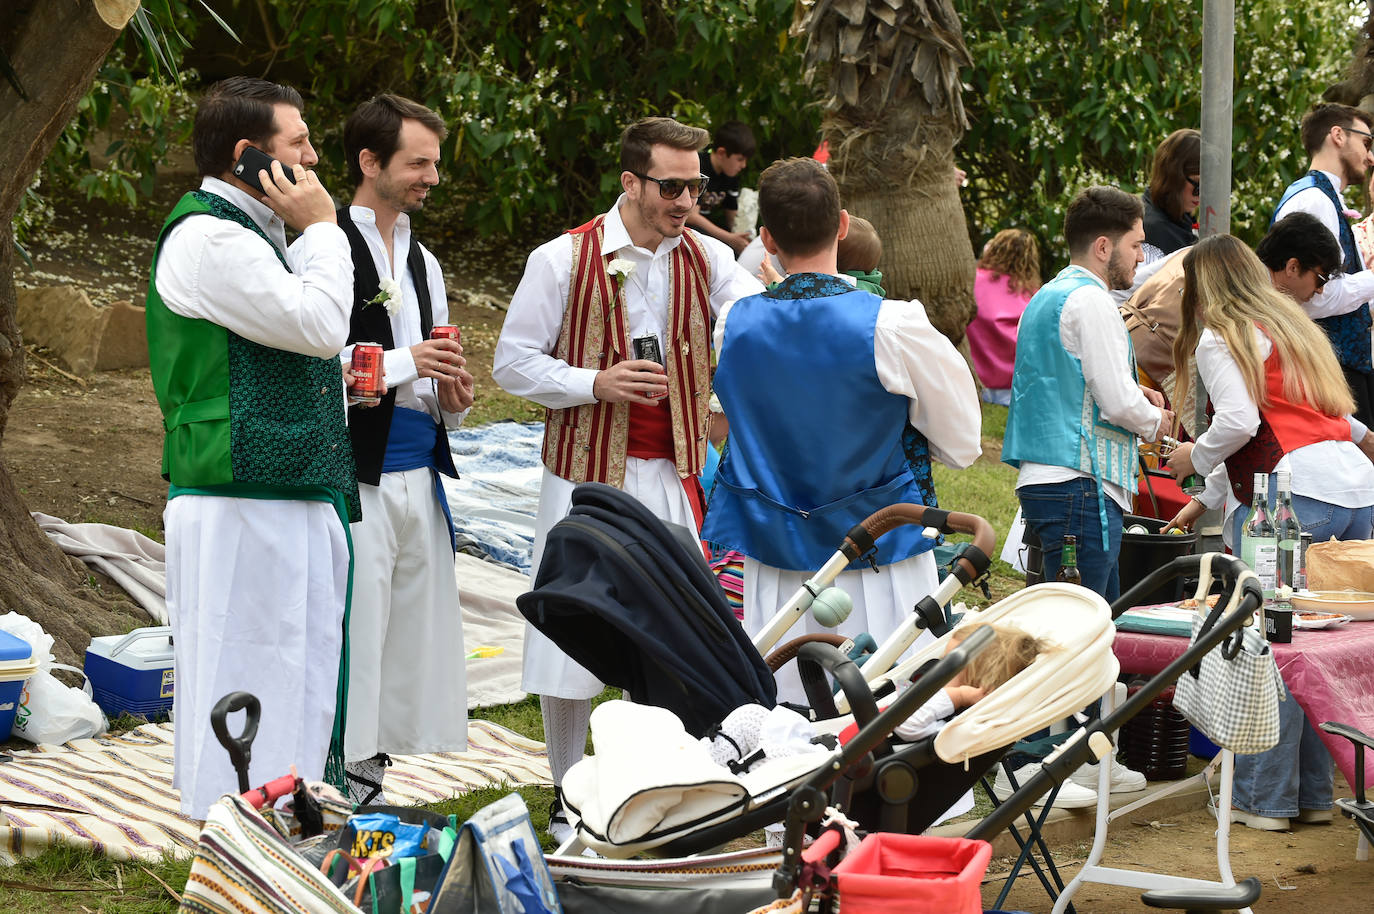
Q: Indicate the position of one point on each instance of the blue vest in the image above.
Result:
(1053, 419)
(815, 439)
(1349, 333)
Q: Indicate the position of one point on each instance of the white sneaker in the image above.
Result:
(1071, 795)
(365, 779)
(1124, 780)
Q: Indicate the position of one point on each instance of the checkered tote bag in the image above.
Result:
(1233, 694)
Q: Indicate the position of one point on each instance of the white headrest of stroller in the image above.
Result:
(1076, 668)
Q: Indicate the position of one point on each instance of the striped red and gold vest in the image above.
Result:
(589, 442)
(1284, 427)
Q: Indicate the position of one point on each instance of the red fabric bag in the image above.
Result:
(889, 872)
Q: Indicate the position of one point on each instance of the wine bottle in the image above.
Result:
(1258, 543)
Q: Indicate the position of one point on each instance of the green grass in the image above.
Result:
(68, 880)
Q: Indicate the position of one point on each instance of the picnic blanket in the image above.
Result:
(114, 794)
(495, 500)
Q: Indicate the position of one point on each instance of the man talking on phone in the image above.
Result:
(243, 340)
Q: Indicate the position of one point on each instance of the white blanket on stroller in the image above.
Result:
(650, 778)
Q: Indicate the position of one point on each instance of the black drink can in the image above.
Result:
(647, 348)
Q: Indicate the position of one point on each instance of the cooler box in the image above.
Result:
(132, 673)
(16, 666)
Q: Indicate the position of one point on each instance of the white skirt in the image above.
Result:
(547, 670)
(407, 692)
(255, 598)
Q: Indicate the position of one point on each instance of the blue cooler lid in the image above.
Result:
(13, 648)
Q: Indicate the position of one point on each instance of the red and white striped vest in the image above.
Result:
(588, 443)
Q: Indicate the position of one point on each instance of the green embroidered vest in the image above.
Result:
(235, 412)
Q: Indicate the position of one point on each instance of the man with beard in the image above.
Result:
(1076, 409)
(1338, 138)
(633, 278)
(406, 689)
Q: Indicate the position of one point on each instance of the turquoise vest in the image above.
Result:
(1053, 419)
(237, 414)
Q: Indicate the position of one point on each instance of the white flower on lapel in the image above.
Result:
(620, 268)
(389, 297)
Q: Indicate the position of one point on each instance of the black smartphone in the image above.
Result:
(254, 160)
(646, 347)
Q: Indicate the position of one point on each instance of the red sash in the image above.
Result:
(651, 436)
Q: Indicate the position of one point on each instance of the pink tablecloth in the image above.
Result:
(1330, 673)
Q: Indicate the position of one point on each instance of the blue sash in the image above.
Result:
(416, 441)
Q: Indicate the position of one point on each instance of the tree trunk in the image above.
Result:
(54, 47)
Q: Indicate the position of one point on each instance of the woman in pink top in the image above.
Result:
(1008, 275)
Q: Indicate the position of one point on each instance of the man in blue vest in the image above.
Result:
(819, 379)
(1076, 408)
(1338, 138)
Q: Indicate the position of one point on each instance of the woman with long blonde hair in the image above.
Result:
(1279, 399)
(1280, 402)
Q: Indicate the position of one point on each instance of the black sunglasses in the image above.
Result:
(1368, 137)
(1323, 278)
(671, 188)
(1196, 185)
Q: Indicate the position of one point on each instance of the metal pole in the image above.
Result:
(1214, 218)
(1218, 71)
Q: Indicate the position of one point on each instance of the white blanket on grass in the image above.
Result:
(488, 592)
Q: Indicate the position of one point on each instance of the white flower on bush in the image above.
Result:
(620, 268)
(390, 296)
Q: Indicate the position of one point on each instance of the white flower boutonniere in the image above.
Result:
(389, 297)
(620, 268)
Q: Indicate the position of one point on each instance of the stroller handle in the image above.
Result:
(968, 566)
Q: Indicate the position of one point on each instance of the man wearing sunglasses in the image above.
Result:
(592, 303)
(1338, 138)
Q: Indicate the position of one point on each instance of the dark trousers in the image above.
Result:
(1362, 386)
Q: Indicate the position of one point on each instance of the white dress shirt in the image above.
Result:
(219, 271)
(1342, 294)
(412, 391)
(1335, 472)
(1091, 330)
(916, 361)
(524, 365)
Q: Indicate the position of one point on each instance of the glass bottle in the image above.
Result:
(1288, 536)
(1068, 561)
(1258, 544)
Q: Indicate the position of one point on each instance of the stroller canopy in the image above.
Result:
(637, 605)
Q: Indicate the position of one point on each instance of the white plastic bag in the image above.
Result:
(49, 711)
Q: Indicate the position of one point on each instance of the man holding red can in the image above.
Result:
(405, 628)
(595, 307)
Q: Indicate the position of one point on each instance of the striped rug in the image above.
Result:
(114, 794)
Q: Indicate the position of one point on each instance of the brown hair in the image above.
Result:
(1012, 652)
(1317, 124)
(860, 248)
(233, 109)
(1179, 156)
(1013, 253)
(1098, 211)
(735, 138)
(799, 204)
(376, 125)
(639, 139)
(1227, 289)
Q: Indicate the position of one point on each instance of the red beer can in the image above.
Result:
(367, 370)
(446, 332)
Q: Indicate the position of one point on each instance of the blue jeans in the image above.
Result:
(1060, 508)
(1318, 518)
(1296, 774)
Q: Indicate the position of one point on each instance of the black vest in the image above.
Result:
(369, 426)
